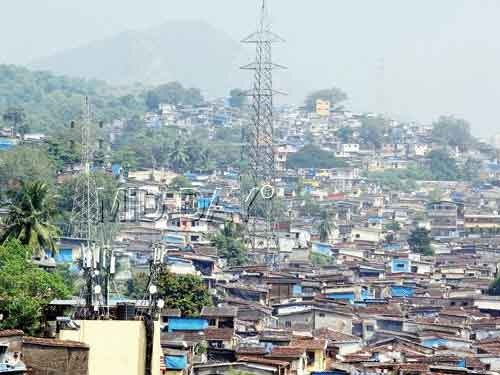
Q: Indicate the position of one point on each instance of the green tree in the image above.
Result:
(299, 187)
(23, 164)
(179, 156)
(237, 98)
(180, 182)
(312, 156)
(310, 207)
(420, 241)
(229, 244)
(70, 277)
(436, 194)
(136, 286)
(344, 134)
(29, 219)
(107, 188)
(54, 100)
(15, 117)
(494, 287)
(62, 152)
(25, 290)
(184, 292)
(334, 95)
(442, 167)
(372, 131)
(471, 169)
(401, 179)
(320, 259)
(199, 156)
(326, 226)
(394, 226)
(452, 131)
(172, 93)
(228, 134)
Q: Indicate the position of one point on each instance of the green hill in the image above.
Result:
(50, 101)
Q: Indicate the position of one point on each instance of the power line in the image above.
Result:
(258, 135)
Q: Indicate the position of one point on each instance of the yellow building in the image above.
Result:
(312, 183)
(482, 224)
(315, 353)
(116, 346)
(323, 107)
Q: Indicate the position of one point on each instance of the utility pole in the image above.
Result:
(258, 135)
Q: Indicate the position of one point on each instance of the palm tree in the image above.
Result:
(179, 157)
(326, 226)
(29, 219)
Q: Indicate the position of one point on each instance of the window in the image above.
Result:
(321, 315)
(310, 358)
(212, 322)
(288, 324)
(369, 328)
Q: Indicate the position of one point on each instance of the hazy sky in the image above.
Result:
(438, 56)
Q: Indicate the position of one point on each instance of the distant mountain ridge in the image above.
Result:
(191, 52)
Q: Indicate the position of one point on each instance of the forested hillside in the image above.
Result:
(51, 101)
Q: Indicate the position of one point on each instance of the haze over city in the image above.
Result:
(413, 60)
(249, 187)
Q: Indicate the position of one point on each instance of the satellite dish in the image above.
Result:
(160, 303)
(153, 289)
(97, 289)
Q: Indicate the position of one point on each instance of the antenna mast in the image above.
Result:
(258, 135)
(85, 211)
(97, 261)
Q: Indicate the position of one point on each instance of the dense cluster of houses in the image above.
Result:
(356, 300)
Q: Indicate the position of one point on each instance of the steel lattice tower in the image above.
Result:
(258, 135)
(85, 211)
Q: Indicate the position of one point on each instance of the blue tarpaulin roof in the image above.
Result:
(6, 143)
(64, 256)
(185, 324)
(176, 362)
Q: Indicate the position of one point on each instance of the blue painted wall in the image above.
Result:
(366, 294)
(402, 291)
(297, 289)
(347, 296)
(401, 265)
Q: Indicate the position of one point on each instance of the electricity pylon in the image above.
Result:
(258, 136)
